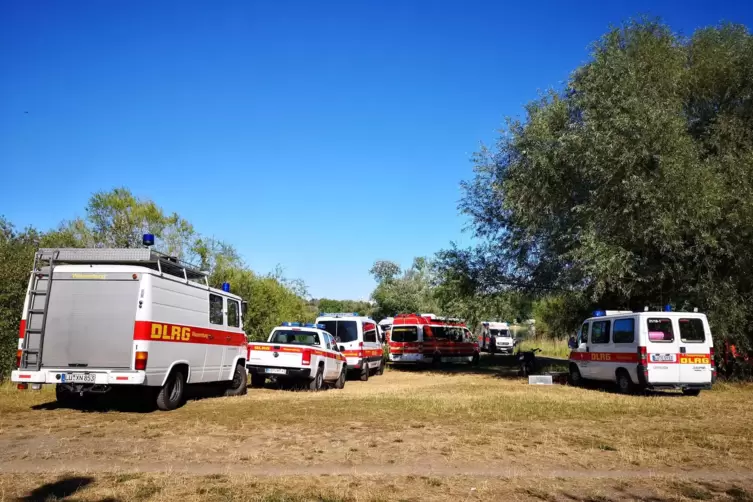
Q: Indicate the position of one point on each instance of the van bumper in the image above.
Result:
(59, 375)
(290, 373)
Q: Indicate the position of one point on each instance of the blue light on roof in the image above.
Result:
(148, 240)
(599, 313)
(321, 326)
(668, 308)
(291, 324)
(226, 287)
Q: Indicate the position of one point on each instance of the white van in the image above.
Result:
(359, 339)
(495, 337)
(655, 350)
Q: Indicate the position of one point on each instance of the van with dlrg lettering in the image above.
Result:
(645, 350)
(98, 321)
(359, 339)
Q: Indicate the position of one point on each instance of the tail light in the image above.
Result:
(713, 362)
(22, 386)
(248, 352)
(20, 352)
(139, 362)
(306, 357)
(360, 349)
(643, 361)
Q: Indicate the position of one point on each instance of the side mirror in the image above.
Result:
(244, 308)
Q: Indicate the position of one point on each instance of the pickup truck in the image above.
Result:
(297, 354)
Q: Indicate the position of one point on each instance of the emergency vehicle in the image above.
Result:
(295, 353)
(385, 325)
(359, 340)
(495, 337)
(640, 350)
(417, 338)
(101, 320)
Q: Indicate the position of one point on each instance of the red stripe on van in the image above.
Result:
(176, 333)
(615, 357)
(22, 329)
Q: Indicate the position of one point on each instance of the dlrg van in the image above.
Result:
(645, 350)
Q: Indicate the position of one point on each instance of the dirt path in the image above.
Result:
(50, 466)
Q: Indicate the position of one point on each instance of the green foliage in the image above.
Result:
(409, 292)
(633, 186)
(556, 315)
(327, 305)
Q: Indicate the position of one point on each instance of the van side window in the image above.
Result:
(583, 334)
(215, 309)
(691, 331)
(328, 339)
(660, 330)
(369, 333)
(233, 319)
(600, 332)
(624, 331)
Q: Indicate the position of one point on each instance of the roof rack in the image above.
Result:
(143, 257)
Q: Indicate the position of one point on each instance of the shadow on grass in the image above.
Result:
(60, 490)
(495, 366)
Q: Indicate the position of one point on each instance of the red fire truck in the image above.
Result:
(425, 338)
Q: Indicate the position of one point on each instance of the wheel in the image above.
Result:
(476, 358)
(574, 378)
(65, 397)
(170, 396)
(318, 381)
(239, 384)
(691, 392)
(380, 369)
(257, 381)
(624, 383)
(340, 383)
(365, 371)
(436, 360)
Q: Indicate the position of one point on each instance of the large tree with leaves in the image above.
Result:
(631, 186)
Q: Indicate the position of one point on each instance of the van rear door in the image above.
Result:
(695, 344)
(662, 351)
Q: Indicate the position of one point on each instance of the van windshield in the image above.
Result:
(499, 332)
(404, 334)
(343, 331)
(295, 337)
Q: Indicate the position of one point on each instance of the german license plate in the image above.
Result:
(77, 377)
(662, 358)
(276, 371)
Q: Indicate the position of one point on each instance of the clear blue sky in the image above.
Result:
(313, 134)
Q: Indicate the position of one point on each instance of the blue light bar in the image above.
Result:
(148, 240)
(291, 324)
(226, 287)
(338, 314)
(668, 308)
(599, 313)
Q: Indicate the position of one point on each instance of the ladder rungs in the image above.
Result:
(36, 311)
(38, 291)
(33, 330)
(32, 351)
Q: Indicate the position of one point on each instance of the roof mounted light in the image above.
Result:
(148, 240)
(291, 324)
(599, 313)
(668, 308)
(226, 287)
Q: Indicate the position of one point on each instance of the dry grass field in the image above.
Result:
(458, 434)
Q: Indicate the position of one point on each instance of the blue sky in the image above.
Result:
(320, 136)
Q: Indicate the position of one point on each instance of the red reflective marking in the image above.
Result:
(121, 378)
(24, 376)
(22, 329)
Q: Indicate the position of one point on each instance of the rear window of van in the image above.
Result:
(691, 331)
(660, 330)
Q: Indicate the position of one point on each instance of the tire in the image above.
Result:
(691, 392)
(365, 371)
(380, 369)
(239, 384)
(171, 394)
(476, 359)
(340, 382)
(574, 378)
(436, 361)
(257, 381)
(66, 398)
(318, 381)
(624, 383)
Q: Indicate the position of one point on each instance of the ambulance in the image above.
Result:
(645, 350)
(99, 321)
(495, 337)
(359, 339)
(419, 338)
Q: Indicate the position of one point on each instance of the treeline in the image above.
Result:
(118, 219)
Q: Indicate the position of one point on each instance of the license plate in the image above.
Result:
(276, 371)
(662, 358)
(77, 377)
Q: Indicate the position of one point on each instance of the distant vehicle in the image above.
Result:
(385, 325)
(105, 320)
(495, 337)
(298, 354)
(426, 338)
(645, 350)
(359, 340)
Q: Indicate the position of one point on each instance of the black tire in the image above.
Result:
(691, 392)
(171, 394)
(574, 378)
(436, 361)
(257, 381)
(624, 383)
(476, 359)
(340, 382)
(239, 384)
(380, 369)
(365, 371)
(66, 398)
(317, 382)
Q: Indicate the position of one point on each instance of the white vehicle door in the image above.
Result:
(330, 366)
(695, 347)
(624, 341)
(371, 346)
(580, 354)
(231, 352)
(599, 345)
(215, 348)
(662, 351)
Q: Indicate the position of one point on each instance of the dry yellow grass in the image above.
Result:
(445, 425)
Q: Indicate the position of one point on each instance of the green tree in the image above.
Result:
(633, 185)
(411, 291)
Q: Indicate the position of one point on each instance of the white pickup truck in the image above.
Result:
(295, 354)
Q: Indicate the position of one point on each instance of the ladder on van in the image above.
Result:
(36, 311)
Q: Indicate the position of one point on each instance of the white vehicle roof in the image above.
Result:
(351, 316)
(496, 325)
(387, 321)
(652, 313)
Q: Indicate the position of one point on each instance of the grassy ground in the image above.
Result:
(454, 434)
